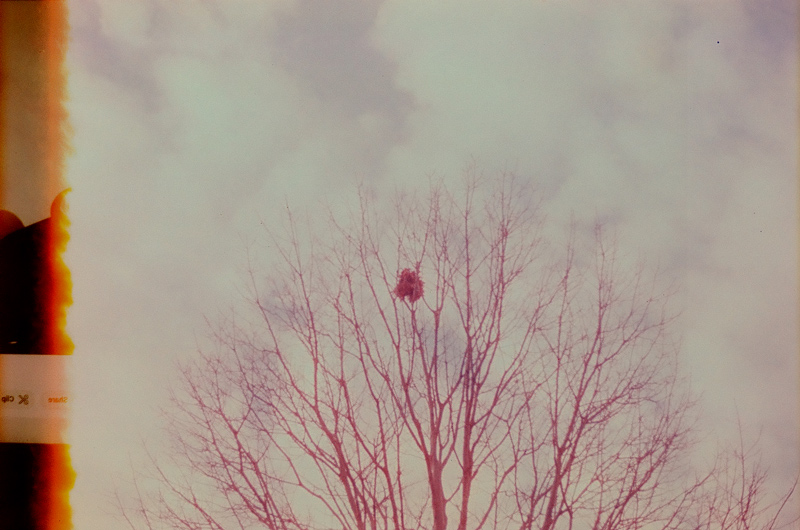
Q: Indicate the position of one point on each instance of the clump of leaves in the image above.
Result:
(409, 285)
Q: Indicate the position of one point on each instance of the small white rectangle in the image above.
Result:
(34, 398)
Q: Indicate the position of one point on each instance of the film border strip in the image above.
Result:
(35, 288)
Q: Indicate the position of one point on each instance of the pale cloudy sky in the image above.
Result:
(193, 121)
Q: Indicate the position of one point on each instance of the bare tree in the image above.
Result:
(439, 364)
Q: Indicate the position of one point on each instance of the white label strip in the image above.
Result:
(34, 398)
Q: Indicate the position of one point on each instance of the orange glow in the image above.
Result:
(33, 127)
(51, 505)
(60, 295)
(34, 37)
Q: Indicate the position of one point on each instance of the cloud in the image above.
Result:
(569, 94)
(327, 47)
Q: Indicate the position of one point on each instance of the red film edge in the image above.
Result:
(35, 285)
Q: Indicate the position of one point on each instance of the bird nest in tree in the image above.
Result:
(409, 285)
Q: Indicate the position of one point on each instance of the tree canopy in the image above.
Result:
(445, 362)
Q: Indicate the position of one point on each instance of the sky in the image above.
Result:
(195, 121)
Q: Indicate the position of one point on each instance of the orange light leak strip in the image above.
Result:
(33, 41)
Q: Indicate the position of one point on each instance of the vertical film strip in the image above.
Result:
(35, 471)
